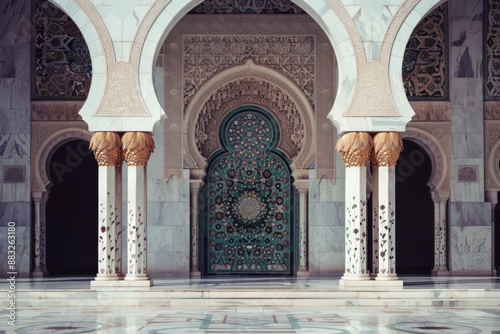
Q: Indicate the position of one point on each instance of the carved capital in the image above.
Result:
(137, 148)
(387, 146)
(355, 148)
(107, 148)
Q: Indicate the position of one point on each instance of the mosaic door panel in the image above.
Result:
(249, 199)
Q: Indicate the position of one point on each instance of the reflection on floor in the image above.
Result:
(236, 319)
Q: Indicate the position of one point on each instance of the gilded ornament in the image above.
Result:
(355, 148)
(106, 147)
(387, 146)
(137, 148)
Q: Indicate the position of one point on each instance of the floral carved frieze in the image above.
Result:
(56, 110)
(431, 110)
(204, 56)
(250, 91)
(491, 110)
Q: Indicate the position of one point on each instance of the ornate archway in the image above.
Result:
(249, 211)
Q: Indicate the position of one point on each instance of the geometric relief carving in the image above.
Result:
(247, 7)
(254, 91)
(468, 173)
(204, 56)
(424, 61)
(492, 155)
(492, 87)
(63, 66)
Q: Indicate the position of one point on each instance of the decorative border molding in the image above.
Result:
(193, 156)
(45, 138)
(56, 110)
(492, 155)
(435, 139)
(431, 110)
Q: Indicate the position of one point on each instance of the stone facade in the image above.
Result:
(160, 77)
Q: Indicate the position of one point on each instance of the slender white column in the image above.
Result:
(194, 191)
(440, 236)
(107, 150)
(40, 200)
(137, 147)
(303, 244)
(355, 148)
(387, 224)
(375, 220)
(387, 147)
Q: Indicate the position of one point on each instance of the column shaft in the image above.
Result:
(303, 244)
(194, 192)
(375, 221)
(40, 201)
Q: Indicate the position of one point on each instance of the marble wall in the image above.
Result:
(326, 223)
(16, 30)
(168, 233)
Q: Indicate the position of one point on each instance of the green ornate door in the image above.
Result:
(249, 197)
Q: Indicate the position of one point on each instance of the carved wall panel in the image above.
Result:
(492, 155)
(424, 62)
(492, 61)
(205, 56)
(247, 7)
(436, 140)
(63, 66)
(431, 110)
(52, 123)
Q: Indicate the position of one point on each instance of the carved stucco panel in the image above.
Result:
(45, 137)
(435, 138)
(492, 154)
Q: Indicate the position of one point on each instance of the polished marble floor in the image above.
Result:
(341, 319)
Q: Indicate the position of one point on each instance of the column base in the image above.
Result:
(37, 273)
(137, 277)
(120, 284)
(386, 277)
(303, 273)
(440, 272)
(195, 274)
(109, 277)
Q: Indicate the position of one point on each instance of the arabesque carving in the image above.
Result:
(137, 148)
(56, 110)
(492, 154)
(431, 110)
(492, 110)
(107, 148)
(355, 148)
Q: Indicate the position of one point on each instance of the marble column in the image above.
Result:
(107, 150)
(375, 220)
(491, 196)
(355, 149)
(387, 147)
(40, 200)
(194, 189)
(137, 148)
(303, 189)
(440, 237)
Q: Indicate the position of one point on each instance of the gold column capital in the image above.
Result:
(355, 148)
(106, 147)
(387, 147)
(137, 148)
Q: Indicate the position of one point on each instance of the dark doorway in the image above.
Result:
(414, 212)
(71, 235)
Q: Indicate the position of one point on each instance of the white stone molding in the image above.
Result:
(435, 139)
(46, 137)
(282, 84)
(492, 155)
